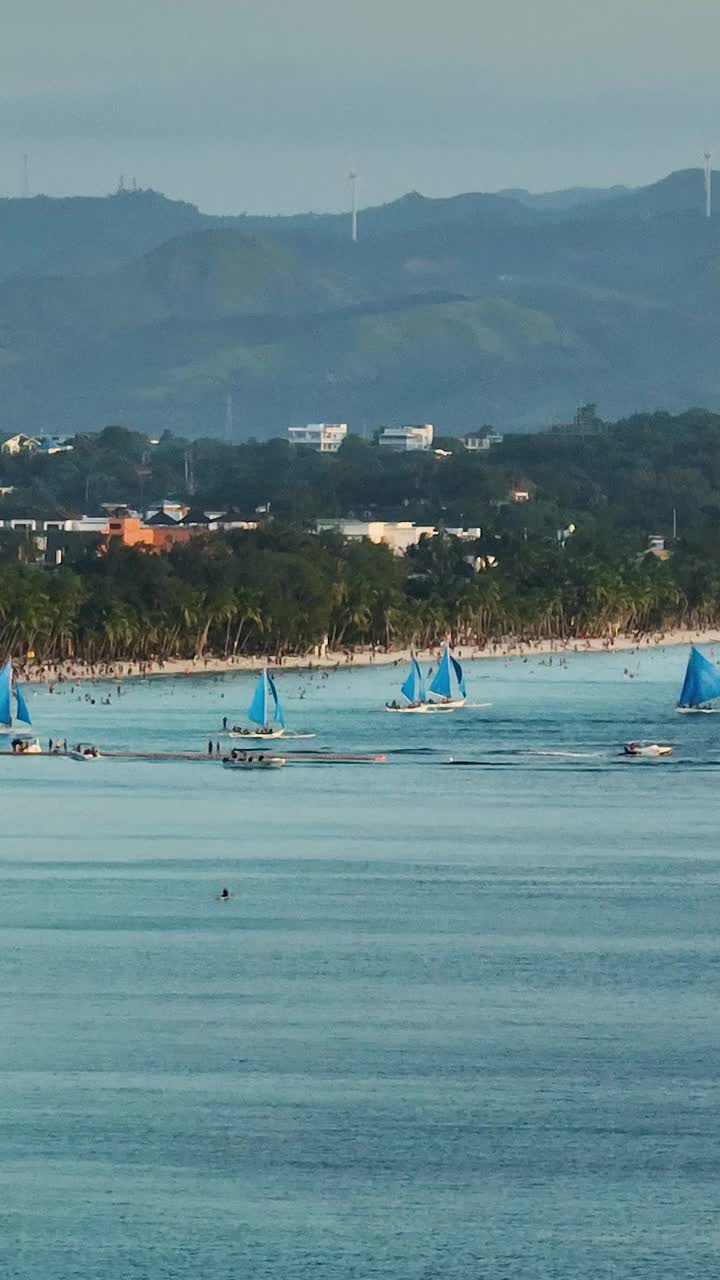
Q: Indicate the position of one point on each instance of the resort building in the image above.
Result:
(482, 441)
(406, 439)
(398, 535)
(324, 437)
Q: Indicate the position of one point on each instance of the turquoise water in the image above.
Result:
(458, 1020)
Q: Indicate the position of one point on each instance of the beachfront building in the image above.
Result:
(398, 535)
(406, 439)
(324, 437)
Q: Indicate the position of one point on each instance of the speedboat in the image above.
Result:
(248, 760)
(650, 749)
(84, 751)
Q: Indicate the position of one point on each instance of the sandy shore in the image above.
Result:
(365, 657)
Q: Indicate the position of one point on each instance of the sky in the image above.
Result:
(266, 106)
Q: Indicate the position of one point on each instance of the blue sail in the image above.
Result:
(413, 687)
(5, 679)
(459, 676)
(279, 715)
(258, 709)
(22, 711)
(441, 684)
(702, 681)
(409, 685)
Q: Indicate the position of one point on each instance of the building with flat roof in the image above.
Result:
(406, 439)
(398, 535)
(324, 437)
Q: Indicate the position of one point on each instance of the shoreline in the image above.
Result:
(77, 672)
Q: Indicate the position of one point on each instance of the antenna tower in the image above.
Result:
(708, 184)
(353, 179)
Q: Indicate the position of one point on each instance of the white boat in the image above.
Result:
(266, 712)
(254, 734)
(650, 749)
(448, 686)
(248, 760)
(84, 751)
(413, 691)
(701, 685)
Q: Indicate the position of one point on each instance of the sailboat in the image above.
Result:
(413, 690)
(6, 692)
(449, 683)
(701, 684)
(265, 711)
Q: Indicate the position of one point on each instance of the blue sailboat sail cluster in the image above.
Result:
(702, 681)
(449, 672)
(413, 687)
(265, 708)
(6, 692)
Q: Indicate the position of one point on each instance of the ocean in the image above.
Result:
(458, 1019)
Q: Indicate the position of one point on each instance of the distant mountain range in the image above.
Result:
(507, 308)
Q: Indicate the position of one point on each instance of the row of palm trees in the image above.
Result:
(136, 607)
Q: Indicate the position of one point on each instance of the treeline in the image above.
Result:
(281, 590)
(625, 482)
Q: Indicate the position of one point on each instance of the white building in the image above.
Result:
(20, 444)
(406, 439)
(325, 437)
(481, 441)
(398, 535)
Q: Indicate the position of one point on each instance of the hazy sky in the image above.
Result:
(265, 105)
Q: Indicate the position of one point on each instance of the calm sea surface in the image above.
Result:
(459, 1020)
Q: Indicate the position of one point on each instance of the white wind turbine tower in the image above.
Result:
(353, 180)
(708, 184)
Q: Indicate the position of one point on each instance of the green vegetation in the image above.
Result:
(453, 311)
(284, 588)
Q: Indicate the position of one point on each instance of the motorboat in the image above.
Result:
(84, 751)
(252, 760)
(650, 749)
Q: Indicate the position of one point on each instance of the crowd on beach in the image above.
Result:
(74, 670)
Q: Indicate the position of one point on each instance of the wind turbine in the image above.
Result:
(708, 184)
(353, 180)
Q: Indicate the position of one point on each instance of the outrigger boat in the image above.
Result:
(265, 711)
(415, 694)
(701, 684)
(7, 689)
(449, 683)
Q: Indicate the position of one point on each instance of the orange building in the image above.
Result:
(133, 532)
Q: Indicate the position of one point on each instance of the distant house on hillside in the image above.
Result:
(20, 444)
(482, 441)
(586, 422)
(398, 535)
(406, 439)
(324, 437)
(54, 444)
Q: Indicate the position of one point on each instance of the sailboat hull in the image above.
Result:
(451, 705)
(698, 711)
(425, 709)
(256, 734)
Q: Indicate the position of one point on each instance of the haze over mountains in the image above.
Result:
(507, 308)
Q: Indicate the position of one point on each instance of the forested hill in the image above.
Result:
(502, 308)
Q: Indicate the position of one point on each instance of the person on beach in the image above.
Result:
(210, 748)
